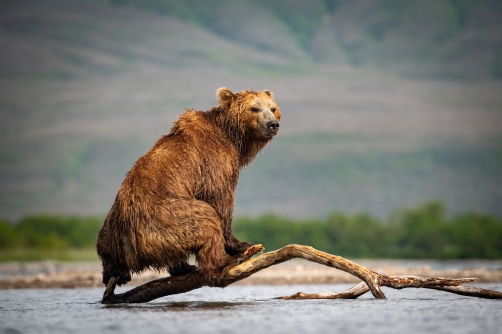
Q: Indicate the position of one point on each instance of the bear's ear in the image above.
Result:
(269, 93)
(224, 96)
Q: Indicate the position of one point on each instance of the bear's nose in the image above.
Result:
(273, 125)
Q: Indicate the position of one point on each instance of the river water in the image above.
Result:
(250, 309)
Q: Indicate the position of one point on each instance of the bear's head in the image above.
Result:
(254, 113)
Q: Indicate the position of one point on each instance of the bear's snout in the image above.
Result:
(273, 126)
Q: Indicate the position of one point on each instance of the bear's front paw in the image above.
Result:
(237, 248)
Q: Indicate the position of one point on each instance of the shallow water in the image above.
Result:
(250, 309)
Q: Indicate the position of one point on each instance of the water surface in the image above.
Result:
(249, 309)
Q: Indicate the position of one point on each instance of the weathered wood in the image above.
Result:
(308, 253)
(166, 286)
(110, 287)
(158, 288)
(372, 281)
(469, 291)
(354, 292)
(402, 282)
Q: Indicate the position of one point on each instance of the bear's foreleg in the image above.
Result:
(206, 234)
(232, 245)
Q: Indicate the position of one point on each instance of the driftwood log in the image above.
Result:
(371, 281)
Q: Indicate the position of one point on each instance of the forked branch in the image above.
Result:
(371, 281)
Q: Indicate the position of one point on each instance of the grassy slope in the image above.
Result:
(87, 88)
(445, 38)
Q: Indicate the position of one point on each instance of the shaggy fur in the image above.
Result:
(178, 198)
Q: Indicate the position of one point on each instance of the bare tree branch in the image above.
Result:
(371, 280)
(401, 282)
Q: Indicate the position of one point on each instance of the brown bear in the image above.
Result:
(178, 198)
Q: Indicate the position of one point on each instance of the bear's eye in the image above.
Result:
(254, 109)
(272, 109)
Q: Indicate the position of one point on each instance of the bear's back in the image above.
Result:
(194, 160)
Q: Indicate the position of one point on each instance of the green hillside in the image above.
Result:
(385, 103)
(459, 38)
(417, 232)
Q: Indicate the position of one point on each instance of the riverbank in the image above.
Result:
(49, 274)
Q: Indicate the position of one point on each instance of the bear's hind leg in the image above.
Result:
(190, 227)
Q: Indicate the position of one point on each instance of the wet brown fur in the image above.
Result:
(178, 198)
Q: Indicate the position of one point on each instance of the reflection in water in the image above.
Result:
(178, 306)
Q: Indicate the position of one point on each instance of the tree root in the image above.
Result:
(371, 281)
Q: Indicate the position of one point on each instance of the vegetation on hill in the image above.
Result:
(412, 233)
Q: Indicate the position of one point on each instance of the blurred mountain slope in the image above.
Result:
(378, 110)
(434, 38)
